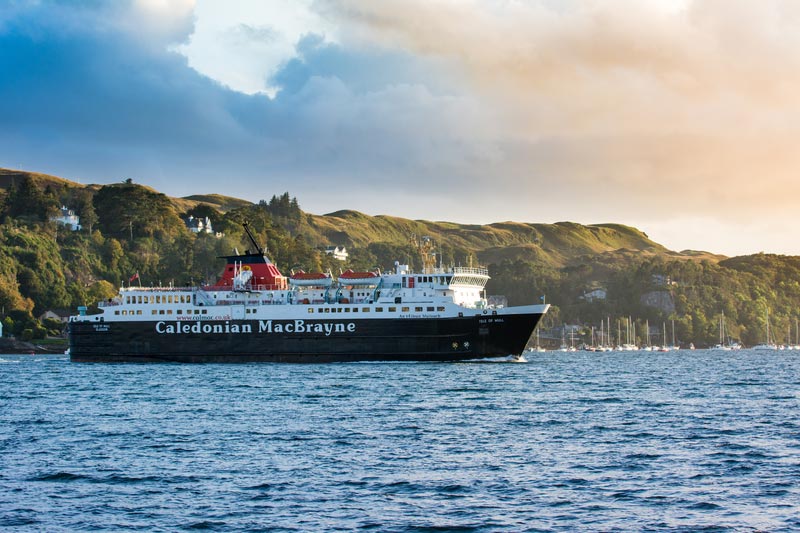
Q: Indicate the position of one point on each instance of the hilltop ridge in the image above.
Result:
(557, 245)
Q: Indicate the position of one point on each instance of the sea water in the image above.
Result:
(686, 441)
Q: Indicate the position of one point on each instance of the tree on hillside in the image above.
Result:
(283, 207)
(81, 201)
(202, 211)
(10, 295)
(29, 203)
(130, 211)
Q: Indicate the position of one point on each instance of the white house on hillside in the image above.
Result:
(199, 225)
(338, 252)
(596, 294)
(62, 315)
(68, 218)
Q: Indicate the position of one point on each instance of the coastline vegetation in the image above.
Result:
(589, 273)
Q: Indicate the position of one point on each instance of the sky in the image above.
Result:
(678, 117)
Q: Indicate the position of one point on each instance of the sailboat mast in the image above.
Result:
(767, 315)
(673, 332)
(601, 332)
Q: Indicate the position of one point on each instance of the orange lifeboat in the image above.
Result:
(349, 277)
(310, 279)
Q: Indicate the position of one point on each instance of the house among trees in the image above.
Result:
(67, 217)
(662, 280)
(62, 315)
(596, 294)
(338, 252)
(199, 225)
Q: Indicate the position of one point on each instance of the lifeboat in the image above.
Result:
(310, 279)
(350, 277)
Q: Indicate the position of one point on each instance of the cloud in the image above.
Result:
(243, 34)
(470, 111)
(683, 106)
(241, 43)
(105, 104)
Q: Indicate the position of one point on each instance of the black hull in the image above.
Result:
(302, 341)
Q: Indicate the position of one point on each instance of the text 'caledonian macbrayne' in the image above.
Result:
(264, 326)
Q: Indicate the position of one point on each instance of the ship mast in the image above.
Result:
(425, 247)
(253, 240)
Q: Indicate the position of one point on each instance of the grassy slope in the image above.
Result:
(559, 244)
(9, 176)
(217, 201)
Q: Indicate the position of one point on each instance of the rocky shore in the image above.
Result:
(10, 345)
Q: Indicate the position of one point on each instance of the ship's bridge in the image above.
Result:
(461, 285)
(469, 277)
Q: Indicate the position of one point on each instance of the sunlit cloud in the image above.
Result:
(654, 113)
(627, 108)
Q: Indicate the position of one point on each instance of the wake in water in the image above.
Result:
(506, 359)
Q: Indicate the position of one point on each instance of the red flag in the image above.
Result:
(134, 278)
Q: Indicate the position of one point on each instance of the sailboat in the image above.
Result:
(538, 347)
(649, 347)
(769, 345)
(564, 347)
(664, 347)
(721, 346)
(674, 346)
(789, 345)
(629, 346)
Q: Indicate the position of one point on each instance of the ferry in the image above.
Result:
(253, 313)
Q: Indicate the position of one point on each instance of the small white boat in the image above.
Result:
(766, 346)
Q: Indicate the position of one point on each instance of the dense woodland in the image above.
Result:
(128, 228)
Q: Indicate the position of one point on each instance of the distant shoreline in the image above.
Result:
(15, 346)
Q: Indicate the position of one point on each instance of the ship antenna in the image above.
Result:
(246, 227)
(426, 249)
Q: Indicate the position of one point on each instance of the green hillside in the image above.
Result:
(221, 203)
(129, 228)
(9, 176)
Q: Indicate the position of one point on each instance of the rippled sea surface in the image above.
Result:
(685, 441)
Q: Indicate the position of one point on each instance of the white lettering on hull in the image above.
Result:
(264, 326)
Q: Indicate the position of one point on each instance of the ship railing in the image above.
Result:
(481, 271)
(268, 287)
(248, 287)
(158, 289)
(250, 303)
(471, 270)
